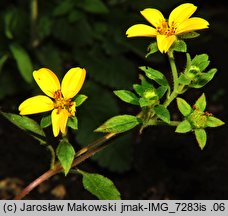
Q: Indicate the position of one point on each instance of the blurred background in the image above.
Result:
(59, 35)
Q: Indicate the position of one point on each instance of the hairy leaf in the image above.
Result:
(45, 121)
(80, 99)
(153, 48)
(119, 124)
(203, 79)
(100, 186)
(184, 107)
(163, 113)
(127, 96)
(201, 103)
(65, 153)
(214, 122)
(179, 46)
(73, 122)
(201, 61)
(183, 127)
(27, 124)
(201, 137)
(155, 75)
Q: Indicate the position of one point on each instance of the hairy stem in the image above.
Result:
(82, 155)
(172, 123)
(174, 93)
(52, 151)
(100, 144)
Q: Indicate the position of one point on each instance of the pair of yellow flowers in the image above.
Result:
(59, 96)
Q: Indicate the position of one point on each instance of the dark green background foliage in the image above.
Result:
(91, 34)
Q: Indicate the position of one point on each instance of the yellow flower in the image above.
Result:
(59, 100)
(166, 31)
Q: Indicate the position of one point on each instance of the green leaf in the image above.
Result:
(214, 122)
(189, 35)
(100, 186)
(163, 113)
(146, 85)
(201, 103)
(26, 124)
(201, 61)
(2, 61)
(45, 121)
(143, 102)
(10, 21)
(127, 96)
(138, 89)
(119, 124)
(118, 156)
(73, 122)
(24, 63)
(155, 75)
(80, 99)
(184, 107)
(183, 127)
(203, 79)
(93, 6)
(201, 137)
(160, 91)
(63, 8)
(188, 62)
(184, 80)
(179, 46)
(65, 153)
(153, 48)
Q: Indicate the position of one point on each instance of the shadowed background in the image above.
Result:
(159, 164)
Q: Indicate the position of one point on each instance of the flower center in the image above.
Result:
(198, 118)
(61, 103)
(165, 29)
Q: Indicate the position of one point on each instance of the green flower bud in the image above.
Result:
(193, 72)
(149, 94)
(198, 119)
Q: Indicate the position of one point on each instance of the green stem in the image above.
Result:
(100, 144)
(174, 70)
(34, 16)
(174, 93)
(94, 144)
(52, 151)
(172, 123)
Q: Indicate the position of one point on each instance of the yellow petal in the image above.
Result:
(192, 24)
(72, 109)
(55, 115)
(141, 30)
(153, 16)
(36, 104)
(72, 82)
(165, 42)
(59, 120)
(47, 81)
(63, 121)
(181, 13)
